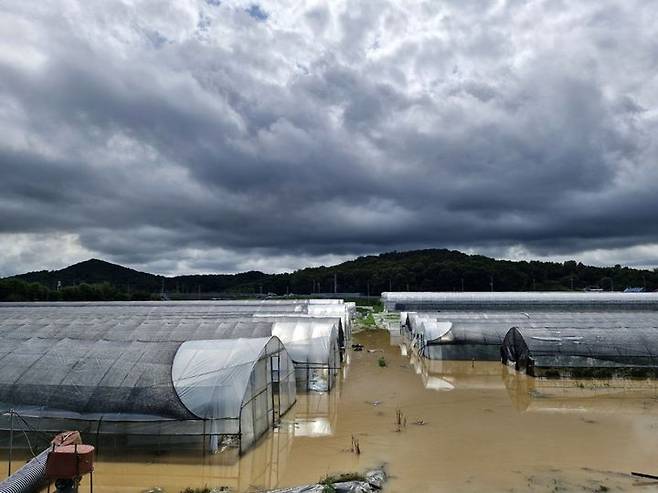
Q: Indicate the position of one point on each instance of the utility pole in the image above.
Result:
(571, 283)
(368, 289)
(335, 283)
(491, 283)
(462, 279)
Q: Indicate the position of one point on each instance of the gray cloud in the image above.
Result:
(230, 135)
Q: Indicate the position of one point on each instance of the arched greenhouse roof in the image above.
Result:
(131, 380)
(480, 334)
(408, 301)
(305, 318)
(212, 378)
(308, 340)
(115, 324)
(582, 351)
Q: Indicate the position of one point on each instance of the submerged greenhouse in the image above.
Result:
(209, 388)
(313, 347)
(603, 352)
(305, 317)
(479, 335)
(440, 338)
(197, 369)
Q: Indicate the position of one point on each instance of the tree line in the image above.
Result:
(420, 270)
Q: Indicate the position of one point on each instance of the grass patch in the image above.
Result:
(343, 477)
(375, 303)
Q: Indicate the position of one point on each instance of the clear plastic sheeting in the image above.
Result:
(602, 352)
(305, 317)
(432, 301)
(107, 369)
(215, 309)
(313, 347)
(84, 379)
(229, 387)
(479, 335)
(443, 339)
(216, 379)
(180, 322)
(333, 310)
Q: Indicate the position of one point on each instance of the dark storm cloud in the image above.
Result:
(194, 138)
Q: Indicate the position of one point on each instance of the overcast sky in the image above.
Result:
(221, 136)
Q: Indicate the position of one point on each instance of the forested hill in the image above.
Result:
(420, 270)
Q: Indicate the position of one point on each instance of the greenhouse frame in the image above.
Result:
(202, 387)
(583, 352)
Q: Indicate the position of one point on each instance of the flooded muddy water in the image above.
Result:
(470, 427)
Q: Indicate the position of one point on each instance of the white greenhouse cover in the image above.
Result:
(433, 330)
(308, 341)
(304, 317)
(331, 310)
(211, 377)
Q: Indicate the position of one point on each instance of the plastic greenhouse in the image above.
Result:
(209, 388)
(479, 335)
(602, 352)
(85, 349)
(313, 347)
(182, 321)
(305, 317)
(410, 301)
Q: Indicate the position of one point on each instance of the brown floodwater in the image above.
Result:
(470, 427)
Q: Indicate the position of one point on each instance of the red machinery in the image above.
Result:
(69, 460)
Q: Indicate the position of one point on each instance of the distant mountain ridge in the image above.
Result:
(95, 271)
(418, 270)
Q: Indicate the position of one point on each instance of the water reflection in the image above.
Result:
(450, 375)
(137, 464)
(314, 414)
(623, 396)
(445, 375)
(528, 394)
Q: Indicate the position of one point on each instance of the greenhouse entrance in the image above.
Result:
(275, 362)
